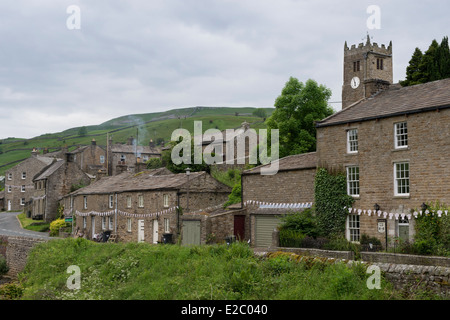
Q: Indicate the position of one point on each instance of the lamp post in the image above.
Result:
(188, 172)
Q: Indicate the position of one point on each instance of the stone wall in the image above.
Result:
(17, 252)
(273, 188)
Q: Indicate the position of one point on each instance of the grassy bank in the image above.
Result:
(34, 225)
(142, 271)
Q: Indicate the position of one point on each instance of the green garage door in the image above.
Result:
(191, 232)
(264, 226)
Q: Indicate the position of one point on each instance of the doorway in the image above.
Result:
(239, 227)
(155, 230)
(141, 234)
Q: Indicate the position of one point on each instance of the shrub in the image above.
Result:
(56, 225)
(291, 238)
(304, 222)
(3, 265)
(11, 291)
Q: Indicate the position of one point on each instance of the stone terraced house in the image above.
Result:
(19, 186)
(143, 206)
(393, 143)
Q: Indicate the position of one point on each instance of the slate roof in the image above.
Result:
(146, 180)
(394, 101)
(293, 162)
(49, 170)
(127, 148)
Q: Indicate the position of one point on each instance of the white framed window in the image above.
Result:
(353, 228)
(84, 222)
(353, 181)
(111, 201)
(24, 175)
(129, 224)
(401, 178)
(352, 141)
(9, 189)
(140, 201)
(22, 189)
(9, 176)
(401, 135)
(166, 200)
(85, 202)
(166, 225)
(128, 201)
(110, 222)
(22, 201)
(103, 223)
(102, 159)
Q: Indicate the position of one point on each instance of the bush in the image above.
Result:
(304, 222)
(56, 225)
(291, 238)
(11, 291)
(3, 265)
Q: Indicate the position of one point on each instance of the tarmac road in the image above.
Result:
(10, 226)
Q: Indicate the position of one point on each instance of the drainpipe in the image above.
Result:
(115, 217)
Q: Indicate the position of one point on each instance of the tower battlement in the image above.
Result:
(367, 70)
(368, 47)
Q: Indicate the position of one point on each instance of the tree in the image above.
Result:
(432, 65)
(82, 131)
(260, 112)
(181, 168)
(413, 72)
(297, 109)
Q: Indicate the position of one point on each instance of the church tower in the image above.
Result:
(367, 70)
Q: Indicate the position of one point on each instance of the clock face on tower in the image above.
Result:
(355, 82)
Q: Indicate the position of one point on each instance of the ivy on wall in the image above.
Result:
(331, 199)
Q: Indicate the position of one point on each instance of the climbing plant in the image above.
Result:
(330, 191)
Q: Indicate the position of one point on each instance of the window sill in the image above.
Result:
(401, 149)
(405, 196)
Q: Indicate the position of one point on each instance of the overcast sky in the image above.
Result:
(140, 56)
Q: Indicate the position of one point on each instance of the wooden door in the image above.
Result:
(239, 227)
(155, 231)
(141, 233)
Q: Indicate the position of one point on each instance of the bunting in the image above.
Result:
(396, 216)
(273, 205)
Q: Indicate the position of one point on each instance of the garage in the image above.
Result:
(191, 232)
(264, 226)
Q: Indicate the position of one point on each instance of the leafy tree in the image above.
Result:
(260, 112)
(297, 109)
(432, 65)
(413, 70)
(154, 163)
(181, 168)
(82, 131)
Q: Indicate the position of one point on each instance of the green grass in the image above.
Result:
(161, 126)
(141, 271)
(34, 225)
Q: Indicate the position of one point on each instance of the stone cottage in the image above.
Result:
(128, 156)
(53, 182)
(146, 206)
(91, 159)
(19, 186)
(268, 197)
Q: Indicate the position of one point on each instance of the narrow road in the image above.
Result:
(10, 226)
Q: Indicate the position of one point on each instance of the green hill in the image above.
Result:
(145, 127)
